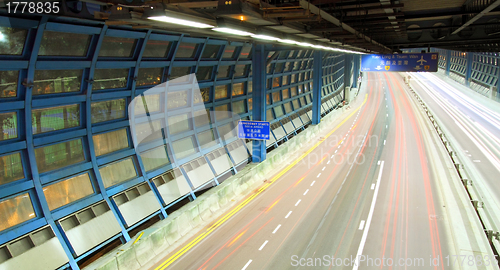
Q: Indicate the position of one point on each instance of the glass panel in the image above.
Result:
(296, 105)
(250, 104)
(288, 66)
(238, 89)
(246, 52)
(269, 115)
(276, 82)
(11, 168)
(276, 97)
(227, 132)
(149, 131)
(68, 191)
(249, 87)
(288, 107)
(294, 91)
(201, 117)
(285, 80)
(56, 81)
(278, 111)
(176, 99)
(155, 158)
(118, 172)
(224, 72)
(8, 126)
(12, 40)
(117, 47)
(149, 76)
(239, 107)
(59, 155)
(268, 99)
(184, 147)
(278, 68)
(222, 112)
(15, 211)
(186, 50)
(204, 94)
(179, 72)
(229, 52)
(204, 73)
(110, 78)
(239, 70)
(207, 138)
(221, 91)
(156, 49)
(55, 118)
(149, 102)
(109, 142)
(210, 51)
(179, 123)
(107, 110)
(8, 83)
(285, 94)
(64, 44)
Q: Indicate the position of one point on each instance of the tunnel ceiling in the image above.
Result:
(367, 25)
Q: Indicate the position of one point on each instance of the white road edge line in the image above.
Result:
(369, 219)
(297, 203)
(246, 265)
(306, 192)
(275, 230)
(313, 183)
(361, 225)
(289, 213)
(263, 245)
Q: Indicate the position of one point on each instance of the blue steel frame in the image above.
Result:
(292, 71)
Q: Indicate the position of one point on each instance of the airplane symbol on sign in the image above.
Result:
(421, 61)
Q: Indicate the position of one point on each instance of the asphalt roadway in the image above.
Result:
(371, 196)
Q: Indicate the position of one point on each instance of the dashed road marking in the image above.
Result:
(323, 168)
(277, 228)
(361, 225)
(476, 160)
(328, 162)
(289, 213)
(306, 192)
(318, 175)
(384, 142)
(297, 203)
(263, 245)
(246, 265)
(373, 186)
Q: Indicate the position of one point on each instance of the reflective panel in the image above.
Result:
(285, 94)
(55, 118)
(60, 155)
(110, 79)
(288, 107)
(238, 89)
(203, 97)
(250, 104)
(239, 107)
(207, 138)
(107, 110)
(227, 132)
(294, 91)
(12, 40)
(278, 68)
(149, 76)
(221, 91)
(229, 52)
(56, 81)
(296, 105)
(11, 168)
(184, 147)
(68, 191)
(222, 112)
(246, 52)
(176, 99)
(224, 72)
(285, 80)
(8, 126)
(201, 117)
(186, 50)
(64, 44)
(210, 51)
(276, 97)
(15, 211)
(157, 49)
(249, 87)
(149, 102)
(240, 70)
(269, 115)
(118, 172)
(148, 132)
(8, 83)
(204, 73)
(117, 47)
(179, 72)
(268, 99)
(278, 110)
(109, 142)
(179, 123)
(155, 158)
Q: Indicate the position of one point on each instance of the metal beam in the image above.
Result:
(478, 16)
(259, 98)
(468, 69)
(317, 75)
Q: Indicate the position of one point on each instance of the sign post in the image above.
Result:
(405, 62)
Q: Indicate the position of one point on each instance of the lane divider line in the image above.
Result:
(297, 203)
(289, 213)
(277, 228)
(263, 245)
(307, 190)
(361, 225)
(373, 186)
(313, 183)
(318, 175)
(323, 168)
(246, 265)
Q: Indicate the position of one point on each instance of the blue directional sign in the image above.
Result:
(257, 130)
(405, 62)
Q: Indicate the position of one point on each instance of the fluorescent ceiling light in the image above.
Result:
(289, 41)
(264, 37)
(172, 20)
(305, 44)
(2, 37)
(232, 31)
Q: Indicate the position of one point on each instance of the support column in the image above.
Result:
(498, 79)
(347, 74)
(317, 83)
(468, 69)
(258, 98)
(357, 67)
(448, 62)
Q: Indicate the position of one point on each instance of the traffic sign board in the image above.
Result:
(257, 130)
(423, 62)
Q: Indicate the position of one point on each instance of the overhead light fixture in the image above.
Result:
(2, 37)
(288, 41)
(304, 44)
(232, 31)
(172, 20)
(265, 37)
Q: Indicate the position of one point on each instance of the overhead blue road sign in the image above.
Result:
(411, 62)
(257, 130)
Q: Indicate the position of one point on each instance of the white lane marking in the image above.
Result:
(323, 168)
(289, 213)
(373, 186)
(466, 151)
(297, 203)
(369, 219)
(306, 192)
(387, 115)
(335, 152)
(318, 175)
(328, 162)
(263, 245)
(332, 156)
(246, 265)
(361, 225)
(385, 141)
(476, 160)
(378, 163)
(385, 126)
(313, 183)
(275, 230)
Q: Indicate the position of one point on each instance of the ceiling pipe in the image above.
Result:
(478, 16)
